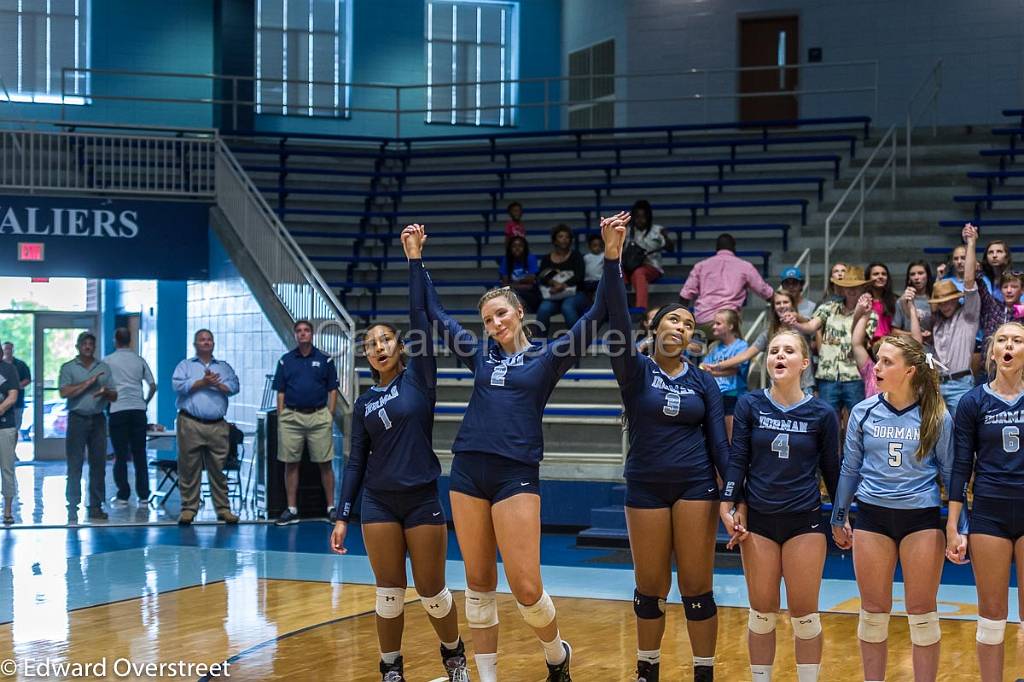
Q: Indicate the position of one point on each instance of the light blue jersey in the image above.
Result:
(879, 461)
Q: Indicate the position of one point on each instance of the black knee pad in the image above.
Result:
(700, 607)
(648, 607)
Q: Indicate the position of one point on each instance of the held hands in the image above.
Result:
(843, 535)
(338, 537)
(788, 318)
(969, 234)
(413, 237)
(735, 521)
(863, 306)
(613, 231)
(956, 546)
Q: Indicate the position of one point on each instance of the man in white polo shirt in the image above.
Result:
(128, 417)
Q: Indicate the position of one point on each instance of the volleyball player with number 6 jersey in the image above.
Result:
(771, 504)
(988, 427)
(495, 475)
(898, 444)
(677, 441)
(392, 458)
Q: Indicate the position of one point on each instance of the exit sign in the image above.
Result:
(30, 251)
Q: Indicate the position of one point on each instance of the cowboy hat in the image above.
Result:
(944, 290)
(854, 278)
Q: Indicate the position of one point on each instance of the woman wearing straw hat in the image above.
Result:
(955, 326)
(839, 382)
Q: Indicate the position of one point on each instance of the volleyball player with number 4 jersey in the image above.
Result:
(495, 475)
(771, 504)
(392, 458)
(988, 427)
(677, 441)
(898, 444)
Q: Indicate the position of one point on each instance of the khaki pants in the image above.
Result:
(202, 445)
(9, 484)
(296, 429)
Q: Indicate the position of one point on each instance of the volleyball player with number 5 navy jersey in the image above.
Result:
(495, 475)
(989, 425)
(392, 459)
(771, 504)
(677, 441)
(898, 444)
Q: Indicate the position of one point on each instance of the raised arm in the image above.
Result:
(461, 342)
(861, 316)
(355, 467)
(828, 453)
(624, 359)
(422, 362)
(970, 237)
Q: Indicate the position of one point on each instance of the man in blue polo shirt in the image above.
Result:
(306, 382)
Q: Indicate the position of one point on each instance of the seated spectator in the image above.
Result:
(793, 282)
(997, 310)
(721, 283)
(839, 380)
(997, 261)
(514, 227)
(782, 303)
(593, 264)
(650, 238)
(883, 300)
(918, 289)
(955, 326)
(518, 269)
(561, 274)
(732, 381)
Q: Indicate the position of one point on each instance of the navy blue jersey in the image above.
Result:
(393, 425)
(987, 443)
(777, 452)
(506, 409)
(676, 423)
(305, 380)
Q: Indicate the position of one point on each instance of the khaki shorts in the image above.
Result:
(297, 429)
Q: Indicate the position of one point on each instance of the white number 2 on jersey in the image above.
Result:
(672, 402)
(382, 413)
(780, 446)
(895, 454)
(498, 375)
(1011, 438)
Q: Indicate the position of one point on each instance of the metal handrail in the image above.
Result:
(297, 284)
(934, 77)
(889, 139)
(71, 126)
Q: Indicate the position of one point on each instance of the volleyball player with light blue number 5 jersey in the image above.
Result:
(898, 444)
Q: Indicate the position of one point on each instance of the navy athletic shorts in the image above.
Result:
(782, 526)
(493, 477)
(1003, 518)
(896, 523)
(648, 495)
(414, 507)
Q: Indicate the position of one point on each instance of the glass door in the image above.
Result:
(55, 336)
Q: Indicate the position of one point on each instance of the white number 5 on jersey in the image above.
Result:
(895, 454)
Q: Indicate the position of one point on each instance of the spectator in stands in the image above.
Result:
(839, 382)
(955, 269)
(997, 261)
(9, 388)
(838, 271)
(883, 300)
(793, 282)
(593, 264)
(918, 288)
(955, 327)
(732, 381)
(721, 283)
(996, 311)
(518, 269)
(561, 274)
(865, 349)
(649, 238)
(782, 302)
(514, 226)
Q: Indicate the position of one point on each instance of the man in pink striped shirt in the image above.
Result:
(721, 282)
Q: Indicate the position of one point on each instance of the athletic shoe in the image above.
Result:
(703, 673)
(455, 663)
(118, 502)
(97, 514)
(186, 517)
(647, 672)
(560, 672)
(287, 518)
(227, 516)
(393, 672)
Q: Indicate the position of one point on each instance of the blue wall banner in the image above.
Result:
(103, 238)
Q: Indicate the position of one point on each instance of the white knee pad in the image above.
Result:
(438, 606)
(390, 602)
(540, 614)
(806, 627)
(991, 631)
(481, 609)
(873, 627)
(924, 628)
(761, 623)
